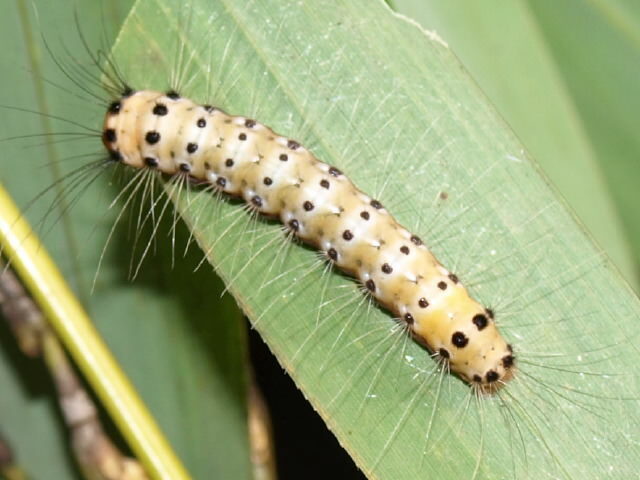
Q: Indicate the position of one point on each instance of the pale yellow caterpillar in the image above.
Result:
(279, 177)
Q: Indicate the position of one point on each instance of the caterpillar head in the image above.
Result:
(499, 369)
(480, 356)
(468, 342)
(487, 376)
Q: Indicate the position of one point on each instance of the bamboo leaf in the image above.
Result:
(389, 104)
(542, 78)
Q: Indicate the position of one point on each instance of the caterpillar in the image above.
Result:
(279, 177)
(470, 227)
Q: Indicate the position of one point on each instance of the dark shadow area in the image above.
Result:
(305, 448)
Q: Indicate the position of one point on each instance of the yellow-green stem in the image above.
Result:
(71, 323)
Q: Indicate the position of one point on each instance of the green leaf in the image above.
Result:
(570, 94)
(388, 104)
(374, 95)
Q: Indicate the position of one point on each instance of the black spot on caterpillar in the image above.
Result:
(473, 236)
